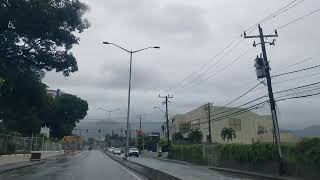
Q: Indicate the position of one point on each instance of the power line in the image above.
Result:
(215, 63)
(298, 19)
(224, 68)
(295, 93)
(275, 14)
(247, 92)
(297, 97)
(300, 77)
(299, 87)
(304, 69)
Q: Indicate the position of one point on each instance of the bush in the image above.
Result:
(308, 151)
(189, 153)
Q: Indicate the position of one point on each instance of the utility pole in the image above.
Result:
(121, 136)
(208, 108)
(140, 143)
(167, 117)
(265, 65)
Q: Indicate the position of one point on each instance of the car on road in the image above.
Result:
(116, 151)
(134, 152)
(110, 150)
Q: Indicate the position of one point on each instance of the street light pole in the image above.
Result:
(109, 111)
(129, 89)
(128, 110)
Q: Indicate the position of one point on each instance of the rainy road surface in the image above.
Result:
(87, 165)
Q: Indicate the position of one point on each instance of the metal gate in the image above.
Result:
(211, 154)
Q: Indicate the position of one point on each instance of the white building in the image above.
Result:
(249, 127)
(45, 131)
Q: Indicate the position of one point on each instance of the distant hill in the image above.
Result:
(311, 131)
(108, 126)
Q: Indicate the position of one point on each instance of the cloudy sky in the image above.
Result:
(190, 34)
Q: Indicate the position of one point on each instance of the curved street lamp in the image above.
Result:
(129, 90)
(159, 109)
(109, 111)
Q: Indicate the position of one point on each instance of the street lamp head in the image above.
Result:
(156, 47)
(105, 42)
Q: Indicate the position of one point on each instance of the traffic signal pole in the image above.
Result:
(261, 36)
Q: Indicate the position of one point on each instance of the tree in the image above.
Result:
(163, 128)
(39, 35)
(195, 137)
(68, 110)
(35, 36)
(228, 133)
(24, 103)
(177, 136)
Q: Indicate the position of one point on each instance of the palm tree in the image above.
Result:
(228, 133)
(163, 128)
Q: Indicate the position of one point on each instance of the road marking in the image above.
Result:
(125, 169)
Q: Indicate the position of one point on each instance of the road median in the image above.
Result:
(148, 172)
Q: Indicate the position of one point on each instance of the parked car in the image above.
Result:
(134, 152)
(116, 151)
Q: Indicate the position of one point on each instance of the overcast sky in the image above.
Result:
(190, 33)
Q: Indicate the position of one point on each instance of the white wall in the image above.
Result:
(15, 158)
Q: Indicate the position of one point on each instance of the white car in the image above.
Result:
(134, 152)
(111, 149)
(116, 151)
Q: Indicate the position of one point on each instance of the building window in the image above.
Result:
(195, 125)
(262, 130)
(184, 128)
(235, 124)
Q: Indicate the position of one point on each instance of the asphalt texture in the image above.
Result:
(87, 165)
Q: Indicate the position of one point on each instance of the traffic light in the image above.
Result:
(86, 130)
(99, 131)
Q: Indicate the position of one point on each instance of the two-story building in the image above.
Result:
(249, 126)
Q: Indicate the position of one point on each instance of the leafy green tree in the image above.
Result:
(195, 137)
(35, 36)
(23, 103)
(39, 34)
(68, 110)
(228, 133)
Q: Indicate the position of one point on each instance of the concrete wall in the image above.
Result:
(15, 158)
(47, 154)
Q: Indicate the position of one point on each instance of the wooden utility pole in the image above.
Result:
(208, 108)
(261, 36)
(167, 117)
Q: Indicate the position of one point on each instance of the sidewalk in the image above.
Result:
(14, 166)
(188, 171)
(10, 167)
(174, 167)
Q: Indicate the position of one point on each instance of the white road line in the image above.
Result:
(125, 169)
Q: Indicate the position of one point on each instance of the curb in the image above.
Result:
(30, 163)
(248, 173)
(173, 161)
(150, 173)
(21, 166)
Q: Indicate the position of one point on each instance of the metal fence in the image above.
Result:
(10, 144)
(210, 154)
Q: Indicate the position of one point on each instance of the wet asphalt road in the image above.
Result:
(87, 165)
